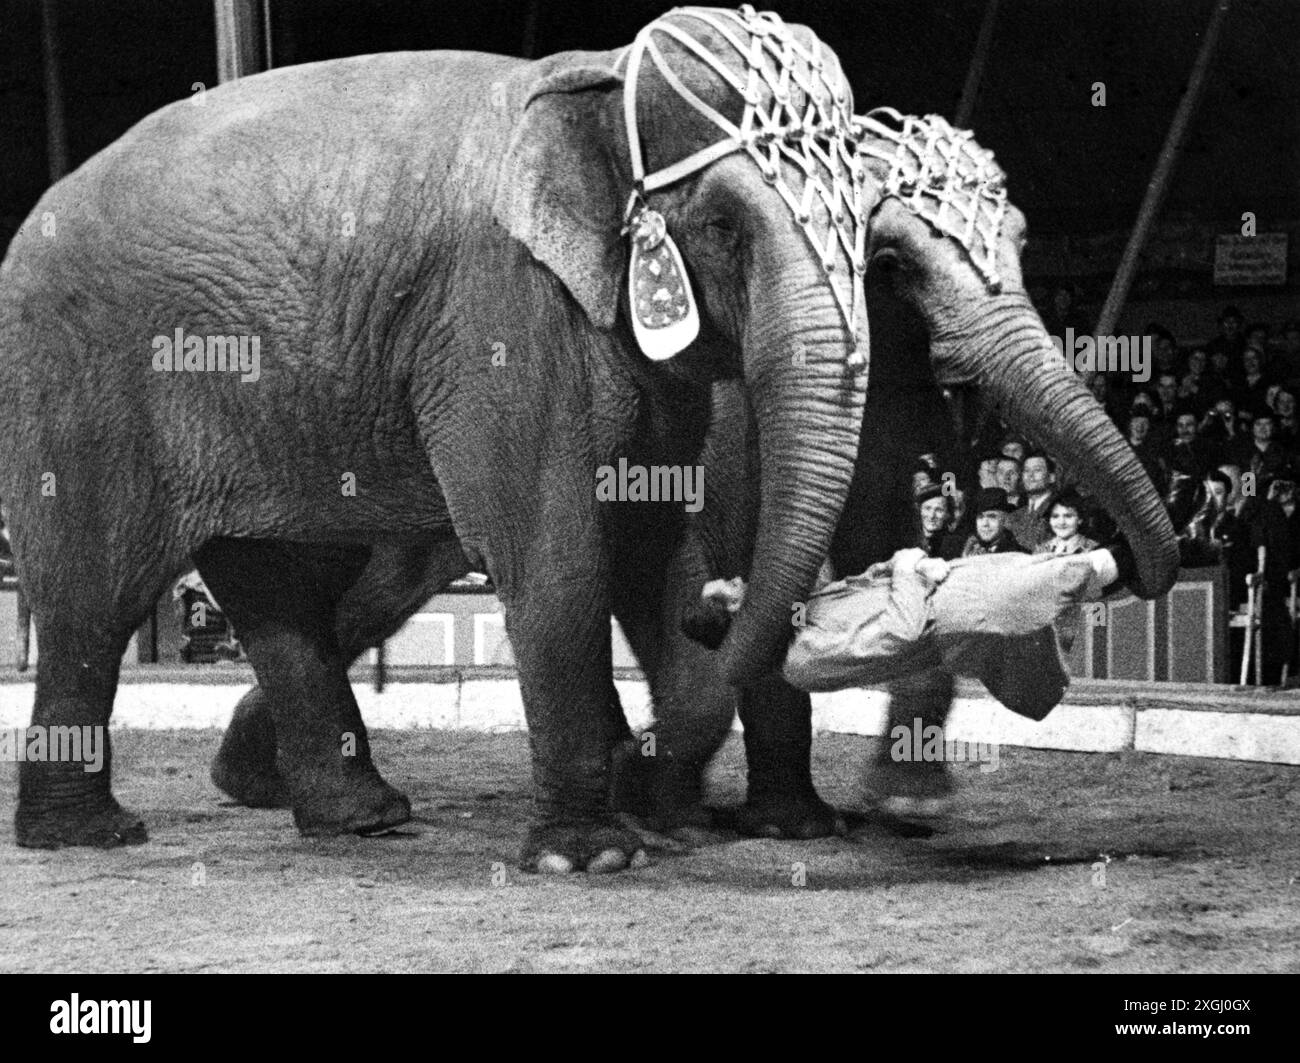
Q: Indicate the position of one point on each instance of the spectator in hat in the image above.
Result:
(991, 535)
(932, 516)
(1028, 525)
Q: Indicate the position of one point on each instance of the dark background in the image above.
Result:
(1078, 171)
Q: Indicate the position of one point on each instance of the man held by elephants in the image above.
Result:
(989, 616)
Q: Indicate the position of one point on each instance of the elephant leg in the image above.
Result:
(908, 787)
(86, 606)
(398, 579)
(782, 802)
(559, 631)
(660, 776)
(283, 600)
(694, 711)
(60, 801)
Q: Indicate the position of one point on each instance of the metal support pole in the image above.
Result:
(528, 44)
(983, 44)
(56, 133)
(240, 45)
(1159, 183)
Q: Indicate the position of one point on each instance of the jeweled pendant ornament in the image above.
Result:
(665, 319)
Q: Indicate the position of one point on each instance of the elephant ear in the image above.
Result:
(558, 187)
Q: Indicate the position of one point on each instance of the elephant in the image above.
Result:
(917, 355)
(937, 327)
(429, 251)
(338, 333)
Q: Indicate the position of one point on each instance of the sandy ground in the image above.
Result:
(1203, 862)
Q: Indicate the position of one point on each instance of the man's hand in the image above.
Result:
(935, 569)
(727, 593)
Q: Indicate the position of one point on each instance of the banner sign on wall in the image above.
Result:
(1241, 260)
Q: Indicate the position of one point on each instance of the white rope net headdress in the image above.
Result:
(942, 175)
(797, 114)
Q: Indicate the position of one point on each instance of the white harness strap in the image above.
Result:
(944, 177)
(816, 139)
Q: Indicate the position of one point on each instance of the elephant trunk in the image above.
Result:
(807, 405)
(1013, 361)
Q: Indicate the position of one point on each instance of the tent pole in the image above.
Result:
(56, 132)
(1159, 183)
(240, 46)
(983, 44)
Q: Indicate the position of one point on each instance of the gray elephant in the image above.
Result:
(923, 334)
(339, 332)
(946, 306)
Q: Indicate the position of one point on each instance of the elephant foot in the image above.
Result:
(663, 794)
(252, 788)
(679, 838)
(369, 807)
(782, 815)
(245, 767)
(103, 825)
(906, 790)
(557, 848)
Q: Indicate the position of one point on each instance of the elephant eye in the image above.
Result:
(887, 261)
(721, 229)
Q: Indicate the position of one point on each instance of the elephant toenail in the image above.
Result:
(607, 860)
(554, 864)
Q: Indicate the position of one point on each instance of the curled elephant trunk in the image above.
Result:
(808, 408)
(1038, 394)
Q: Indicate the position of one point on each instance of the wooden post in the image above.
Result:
(56, 133)
(983, 44)
(1159, 183)
(24, 631)
(241, 48)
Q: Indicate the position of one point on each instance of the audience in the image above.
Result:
(1217, 429)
